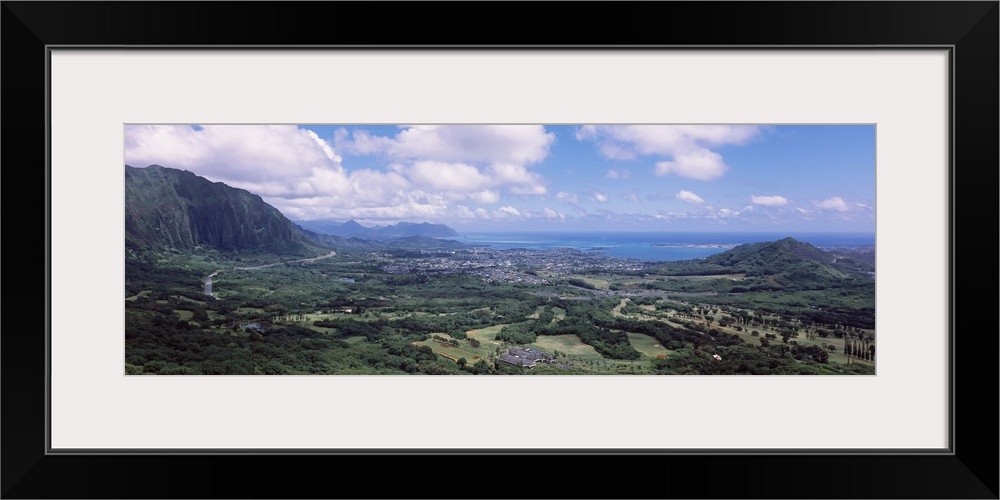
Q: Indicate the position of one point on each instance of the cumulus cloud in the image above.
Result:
(485, 196)
(510, 210)
(465, 156)
(291, 168)
(688, 147)
(248, 153)
(464, 212)
(517, 178)
(517, 144)
(835, 203)
(445, 176)
(302, 175)
(618, 174)
(769, 201)
(599, 197)
(701, 165)
(690, 197)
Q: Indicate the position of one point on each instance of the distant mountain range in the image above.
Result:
(167, 208)
(351, 229)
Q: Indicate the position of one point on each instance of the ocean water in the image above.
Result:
(660, 246)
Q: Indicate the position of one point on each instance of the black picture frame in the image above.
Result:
(970, 29)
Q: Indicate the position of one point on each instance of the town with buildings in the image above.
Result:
(508, 265)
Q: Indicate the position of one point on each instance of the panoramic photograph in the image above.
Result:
(589, 249)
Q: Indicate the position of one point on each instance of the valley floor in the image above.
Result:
(461, 312)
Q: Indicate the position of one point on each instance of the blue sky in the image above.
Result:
(803, 178)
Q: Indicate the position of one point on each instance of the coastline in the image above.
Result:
(655, 246)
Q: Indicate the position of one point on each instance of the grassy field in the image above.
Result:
(573, 352)
(648, 346)
(537, 312)
(568, 344)
(142, 294)
(598, 283)
(188, 299)
(321, 329)
(738, 276)
(184, 314)
(463, 350)
(582, 357)
(559, 312)
(486, 335)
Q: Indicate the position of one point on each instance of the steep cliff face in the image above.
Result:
(170, 208)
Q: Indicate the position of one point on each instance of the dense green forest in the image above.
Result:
(349, 315)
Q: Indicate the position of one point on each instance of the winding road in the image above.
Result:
(208, 279)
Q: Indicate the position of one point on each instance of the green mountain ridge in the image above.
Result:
(167, 208)
(779, 264)
(172, 209)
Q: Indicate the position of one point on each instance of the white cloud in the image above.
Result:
(631, 197)
(518, 144)
(835, 203)
(510, 210)
(769, 201)
(726, 213)
(302, 175)
(667, 140)
(473, 156)
(567, 197)
(618, 174)
(408, 210)
(485, 196)
(446, 176)
(464, 212)
(703, 165)
(518, 179)
(599, 197)
(687, 146)
(462, 178)
(690, 197)
(245, 153)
